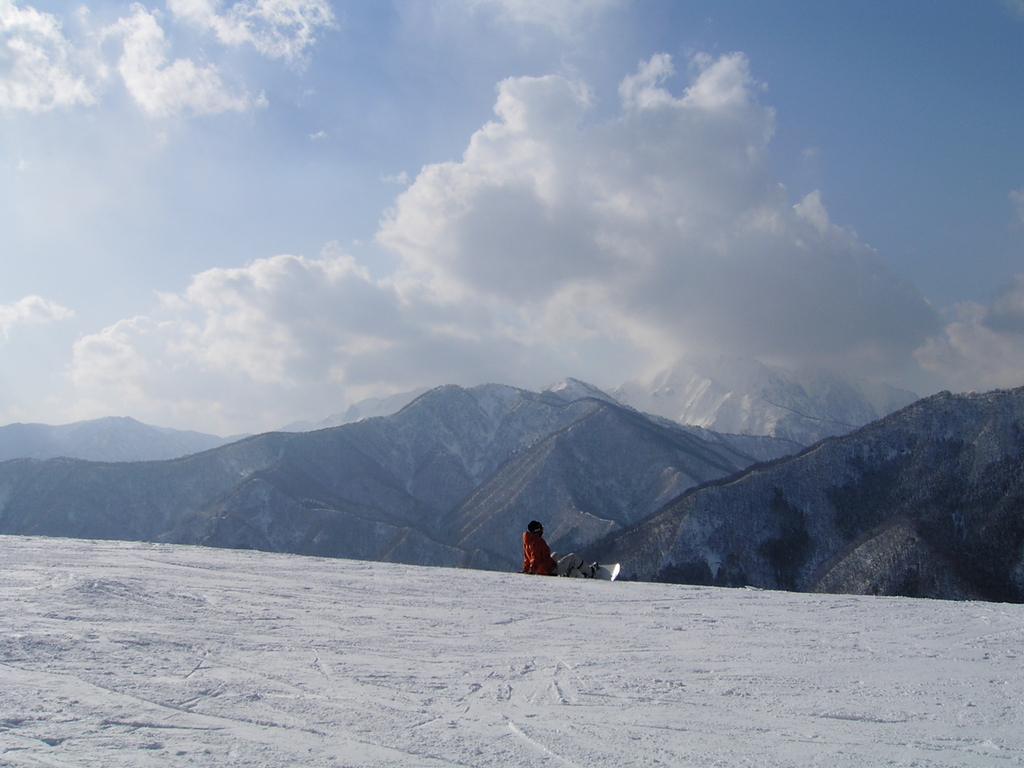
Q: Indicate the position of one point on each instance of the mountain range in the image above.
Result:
(729, 395)
(451, 479)
(926, 502)
(112, 438)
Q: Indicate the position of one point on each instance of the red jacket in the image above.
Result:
(537, 555)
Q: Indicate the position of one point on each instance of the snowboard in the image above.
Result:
(607, 572)
(578, 569)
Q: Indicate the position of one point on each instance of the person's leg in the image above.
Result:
(569, 565)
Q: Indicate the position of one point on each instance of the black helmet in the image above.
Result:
(535, 527)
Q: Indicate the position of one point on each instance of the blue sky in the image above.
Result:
(226, 217)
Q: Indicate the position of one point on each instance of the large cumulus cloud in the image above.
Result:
(254, 347)
(559, 244)
(664, 225)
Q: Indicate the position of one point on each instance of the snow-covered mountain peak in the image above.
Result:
(745, 396)
(572, 389)
(495, 399)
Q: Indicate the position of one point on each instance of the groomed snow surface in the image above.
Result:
(127, 654)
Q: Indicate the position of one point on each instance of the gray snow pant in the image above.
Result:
(570, 565)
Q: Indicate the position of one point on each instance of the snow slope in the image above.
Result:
(130, 654)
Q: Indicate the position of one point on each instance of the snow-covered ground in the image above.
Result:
(127, 654)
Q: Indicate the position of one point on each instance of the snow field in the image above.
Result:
(130, 654)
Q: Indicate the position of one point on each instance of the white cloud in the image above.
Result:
(163, 89)
(277, 321)
(252, 347)
(37, 62)
(1017, 199)
(237, 343)
(722, 84)
(981, 347)
(665, 226)
(401, 179)
(561, 16)
(557, 245)
(30, 309)
(40, 68)
(276, 28)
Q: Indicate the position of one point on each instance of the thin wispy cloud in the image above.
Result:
(42, 69)
(402, 179)
(278, 29)
(29, 310)
(46, 70)
(163, 88)
(560, 16)
(1017, 200)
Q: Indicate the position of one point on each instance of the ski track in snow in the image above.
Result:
(129, 654)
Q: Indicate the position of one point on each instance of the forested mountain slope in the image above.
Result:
(926, 502)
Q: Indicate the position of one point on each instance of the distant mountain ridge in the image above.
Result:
(113, 438)
(726, 395)
(926, 502)
(745, 396)
(401, 488)
(364, 409)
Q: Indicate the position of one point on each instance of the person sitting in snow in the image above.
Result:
(539, 559)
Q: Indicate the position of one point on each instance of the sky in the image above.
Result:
(226, 217)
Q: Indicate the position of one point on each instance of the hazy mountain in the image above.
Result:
(393, 488)
(364, 409)
(573, 389)
(108, 439)
(745, 396)
(926, 502)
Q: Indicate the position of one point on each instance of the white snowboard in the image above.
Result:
(607, 572)
(576, 568)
